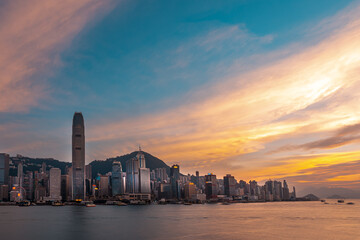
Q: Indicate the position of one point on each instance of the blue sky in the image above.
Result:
(205, 84)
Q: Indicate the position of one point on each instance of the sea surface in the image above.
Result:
(277, 220)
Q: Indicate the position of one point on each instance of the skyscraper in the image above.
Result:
(229, 185)
(132, 175)
(78, 157)
(141, 157)
(4, 169)
(116, 179)
(55, 184)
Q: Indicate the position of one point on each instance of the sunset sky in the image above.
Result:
(256, 88)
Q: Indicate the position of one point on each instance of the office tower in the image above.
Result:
(20, 174)
(189, 190)
(28, 185)
(4, 169)
(293, 194)
(132, 175)
(55, 184)
(116, 179)
(104, 187)
(175, 172)
(278, 193)
(78, 157)
(229, 185)
(144, 180)
(141, 157)
(165, 191)
(197, 182)
(4, 193)
(161, 175)
(286, 192)
(211, 188)
(252, 188)
(65, 187)
(88, 172)
(269, 190)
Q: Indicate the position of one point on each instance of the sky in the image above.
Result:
(256, 88)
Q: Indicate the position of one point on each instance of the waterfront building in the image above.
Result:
(286, 192)
(144, 180)
(116, 179)
(20, 174)
(65, 187)
(78, 157)
(132, 175)
(104, 187)
(211, 188)
(278, 193)
(4, 193)
(164, 191)
(28, 185)
(189, 190)
(4, 169)
(229, 185)
(55, 184)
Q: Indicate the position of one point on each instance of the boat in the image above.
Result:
(24, 204)
(187, 203)
(90, 205)
(57, 204)
(322, 200)
(340, 201)
(121, 204)
(225, 203)
(350, 203)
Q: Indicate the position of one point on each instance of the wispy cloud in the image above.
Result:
(253, 109)
(33, 33)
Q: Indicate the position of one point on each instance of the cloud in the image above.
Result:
(304, 90)
(345, 135)
(33, 33)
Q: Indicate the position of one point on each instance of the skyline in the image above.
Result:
(207, 87)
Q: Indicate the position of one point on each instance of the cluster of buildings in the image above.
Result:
(137, 183)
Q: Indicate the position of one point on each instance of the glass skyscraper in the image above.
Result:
(78, 157)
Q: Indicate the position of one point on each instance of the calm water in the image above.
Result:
(294, 220)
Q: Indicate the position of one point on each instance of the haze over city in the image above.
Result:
(244, 87)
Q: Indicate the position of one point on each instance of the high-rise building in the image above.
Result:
(78, 157)
(144, 180)
(55, 184)
(88, 172)
(211, 188)
(28, 185)
(65, 187)
(116, 179)
(175, 172)
(286, 192)
(189, 190)
(141, 157)
(229, 185)
(132, 175)
(20, 174)
(104, 186)
(4, 169)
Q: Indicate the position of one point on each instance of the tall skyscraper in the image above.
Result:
(144, 180)
(174, 180)
(141, 157)
(229, 185)
(116, 179)
(211, 187)
(78, 157)
(4, 169)
(55, 184)
(132, 175)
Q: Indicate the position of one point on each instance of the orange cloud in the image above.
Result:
(32, 35)
(313, 90)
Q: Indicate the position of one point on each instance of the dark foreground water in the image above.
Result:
(292, 220)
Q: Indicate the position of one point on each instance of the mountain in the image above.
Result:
(103, 167)
(98, 166)
(324, 192)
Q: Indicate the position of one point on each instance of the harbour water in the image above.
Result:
(276, 220)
